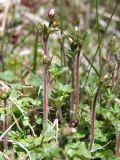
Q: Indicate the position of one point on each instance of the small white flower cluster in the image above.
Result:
(51, 13)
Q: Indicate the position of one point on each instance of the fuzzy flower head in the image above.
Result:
(51, 13)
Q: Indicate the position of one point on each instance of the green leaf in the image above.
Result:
(63, 88)
(26, 101)
(25, 122)
(2, 110)
(14, 94)
(33, 79)
(38, 141)
(16, 86)
(1, 156)
(8, 76)
(56, 70)
(38, 120)
(99, 135)
(48, 133)
(78, 150)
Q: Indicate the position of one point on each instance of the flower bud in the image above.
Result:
(46, 61)
(51, 13)
(68, 131)
(70, 39)
(4, 92)
(76, 29)
(104, 78)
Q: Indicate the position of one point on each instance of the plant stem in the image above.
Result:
(60, 114)
(45, 96)
(5, 127)
(77, 84)
(73, 92)
(118, 144)
(93, 117)
(64, 57)
(3, 33)
(61, 31)
(99, 50)
(1, 54)
(35, 52)
(45, 102)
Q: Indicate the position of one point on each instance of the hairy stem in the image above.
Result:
(118, 144)
(45, 96)
(73, 92)
(93, 117)
(77, 84)
(45, 101)
(5, 127)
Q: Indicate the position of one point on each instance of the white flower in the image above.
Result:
(73, 130)
(76, 29)
(51, 13)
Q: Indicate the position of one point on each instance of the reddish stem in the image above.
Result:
(77, 84)
(45, 101)
(45, 96)
(118, 145)
(118, 69)
(73, 92)
(5, 127)
(93, 117)
(113, 79)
